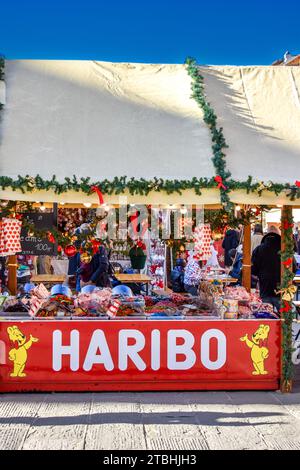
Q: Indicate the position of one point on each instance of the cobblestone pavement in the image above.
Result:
(160, 420)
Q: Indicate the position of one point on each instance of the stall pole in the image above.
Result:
(247, 257)
(12, 274)
(286, 324)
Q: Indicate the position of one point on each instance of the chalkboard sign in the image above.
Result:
(32, 245)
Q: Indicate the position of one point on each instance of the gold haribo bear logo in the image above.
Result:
(19, 355)
(258, 352)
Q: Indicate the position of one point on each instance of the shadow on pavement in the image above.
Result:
(206, 418)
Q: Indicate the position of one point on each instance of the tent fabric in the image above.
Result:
(259, 109)
(102, 120)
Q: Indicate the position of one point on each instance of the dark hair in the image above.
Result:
(258, 228)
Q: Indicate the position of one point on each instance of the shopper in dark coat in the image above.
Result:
(230, 241)
(101, 268)
(266, 265)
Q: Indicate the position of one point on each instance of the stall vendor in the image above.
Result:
(100, 268)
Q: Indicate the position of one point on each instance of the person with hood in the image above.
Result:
(266, 265)
(230, 241)
(100, 268)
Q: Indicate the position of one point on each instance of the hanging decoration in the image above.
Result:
(10, 236)
(70, 251)
(202, 240)
(69, 218)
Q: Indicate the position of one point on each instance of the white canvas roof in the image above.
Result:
(104, 120)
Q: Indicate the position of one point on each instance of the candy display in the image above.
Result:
(97, 301)
(213, 301)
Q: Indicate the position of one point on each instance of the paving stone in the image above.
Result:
(170, 423)
(17, 413)
(61, 423)
(272, 420)
(115, 423)
(224, 426)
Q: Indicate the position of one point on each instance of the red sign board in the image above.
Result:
(139, 355)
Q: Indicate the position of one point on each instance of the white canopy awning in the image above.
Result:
(259, 109)
(104, 120)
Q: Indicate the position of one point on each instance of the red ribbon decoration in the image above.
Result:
(286, 307)
(50, 237)
(219, 180)
(286, 225)
(96, 189)
(134, 222)
(297, 183)
(287, 263)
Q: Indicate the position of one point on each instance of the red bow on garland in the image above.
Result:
(97, 190)
(286, 225)
(297, 183)
(286, 307)
(219, 181)
(287, 263)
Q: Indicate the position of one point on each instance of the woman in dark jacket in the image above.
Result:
(266, 265)
(230, 241)
(100, 268)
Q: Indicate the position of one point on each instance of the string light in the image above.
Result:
(87, 204)
(42, 208)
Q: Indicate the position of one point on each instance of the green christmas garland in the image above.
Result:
(217, 136)
(117, 186)
(286, 305)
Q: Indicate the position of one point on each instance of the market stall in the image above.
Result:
(221, 339)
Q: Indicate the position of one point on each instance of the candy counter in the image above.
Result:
(224, 338)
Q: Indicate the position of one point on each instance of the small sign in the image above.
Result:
(32, 245)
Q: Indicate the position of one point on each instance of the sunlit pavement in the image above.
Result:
(153, 420)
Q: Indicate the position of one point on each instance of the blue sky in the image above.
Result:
(162, 31)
